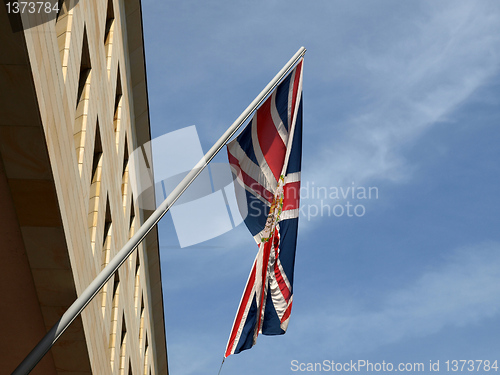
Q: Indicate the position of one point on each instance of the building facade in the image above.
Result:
(73, 107)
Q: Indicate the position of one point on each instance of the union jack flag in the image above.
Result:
(266, 160)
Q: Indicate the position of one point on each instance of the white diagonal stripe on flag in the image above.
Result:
(252, 169)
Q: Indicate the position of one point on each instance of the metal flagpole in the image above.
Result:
(90, 292)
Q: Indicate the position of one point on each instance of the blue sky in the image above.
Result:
(401, 96)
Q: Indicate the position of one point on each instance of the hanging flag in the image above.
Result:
(265, 160)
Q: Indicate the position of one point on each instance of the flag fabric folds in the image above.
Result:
(265, 160)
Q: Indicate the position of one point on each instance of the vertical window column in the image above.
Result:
(106, 254)
(108, 35)
(82, 103)
(114, 335)
(95, 189)
(64, 20)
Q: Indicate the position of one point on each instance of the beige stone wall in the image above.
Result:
(85, 89)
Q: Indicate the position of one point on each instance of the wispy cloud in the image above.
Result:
(464, 290)
(413, 82)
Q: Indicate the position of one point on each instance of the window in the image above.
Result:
(82, 103)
